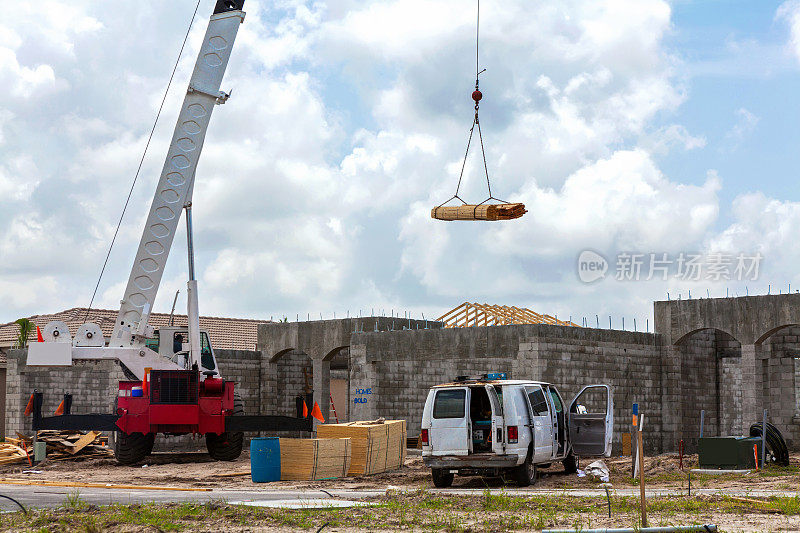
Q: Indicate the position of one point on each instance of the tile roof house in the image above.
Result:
(225, 333)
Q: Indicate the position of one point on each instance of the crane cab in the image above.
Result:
(172, 342)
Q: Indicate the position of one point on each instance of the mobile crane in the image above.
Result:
(174, 387)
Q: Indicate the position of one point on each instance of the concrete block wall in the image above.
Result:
(730, 396)
(711, 380)
(403, 385)
(391, 372)
(780, 381)
(244, 368)
(629, 362)
(729, 388)
(293, 373)
(698, 376)
(93, 384)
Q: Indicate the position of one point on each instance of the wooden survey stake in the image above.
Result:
(634, 440)
(642, 499)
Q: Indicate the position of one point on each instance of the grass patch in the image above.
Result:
(419, 510)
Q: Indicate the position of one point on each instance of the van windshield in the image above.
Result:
(449, 403)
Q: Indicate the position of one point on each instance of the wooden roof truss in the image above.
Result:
(475, 315)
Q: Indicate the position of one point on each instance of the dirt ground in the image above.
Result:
(198, 470)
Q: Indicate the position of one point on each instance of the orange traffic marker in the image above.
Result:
(29, 407)
(317, 413)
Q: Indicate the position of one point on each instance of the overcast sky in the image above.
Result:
(656, 134)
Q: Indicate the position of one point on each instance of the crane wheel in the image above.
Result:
(132, 448)
(228, 445)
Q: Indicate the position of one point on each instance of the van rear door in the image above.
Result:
(541, 423)
(591, 421)
(450, 428)
(498, 442)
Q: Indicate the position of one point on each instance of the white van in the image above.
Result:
(492, 426)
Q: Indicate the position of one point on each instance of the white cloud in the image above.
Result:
(666, 138)
(762, 224)
(789, 12)
(619, 203)
(24, 81)
(746, 123)
(17, 179)
(348, 122)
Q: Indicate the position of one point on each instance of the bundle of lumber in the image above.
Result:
(378, 446)
(11, 453)
(68, 444)
(311, 459)
(489, 212)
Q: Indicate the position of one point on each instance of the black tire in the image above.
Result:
(525, 474)
(150, 446)
(570, 463)
(777, 451)
(442, 478)
(227, 446)
(130, 448)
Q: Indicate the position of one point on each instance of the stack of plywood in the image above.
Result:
(310, 459)
(479, 212)
(377, 446)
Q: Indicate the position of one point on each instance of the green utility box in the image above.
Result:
(734, 453)
(39, 451)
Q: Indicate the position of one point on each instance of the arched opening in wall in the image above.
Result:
(779, 369)
(340, 384)
(293, 377)
(711, 382)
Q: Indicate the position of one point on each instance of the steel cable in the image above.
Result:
(141, 161)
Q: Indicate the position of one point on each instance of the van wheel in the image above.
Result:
(570, 463)
(441, 478)
(525, 474)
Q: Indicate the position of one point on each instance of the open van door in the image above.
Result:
(498, 442)
(541, 423)
(450, 427)
(591, 421)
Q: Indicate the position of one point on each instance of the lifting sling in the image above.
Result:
(485, 210)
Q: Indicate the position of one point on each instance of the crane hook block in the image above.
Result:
(223, 6)
(477, 95)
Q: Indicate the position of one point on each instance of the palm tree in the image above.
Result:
(25, 330)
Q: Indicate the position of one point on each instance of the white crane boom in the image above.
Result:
(176, 182)
(173, 194)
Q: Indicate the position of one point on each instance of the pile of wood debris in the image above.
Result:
(11, 453)
(60, 445)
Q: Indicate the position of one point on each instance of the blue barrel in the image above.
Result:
(265, 459)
